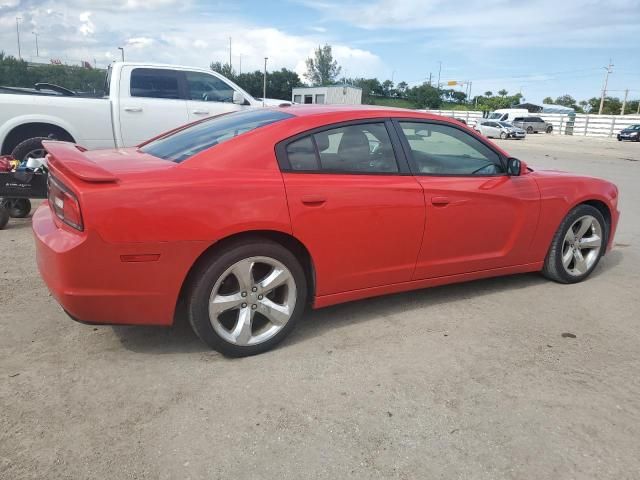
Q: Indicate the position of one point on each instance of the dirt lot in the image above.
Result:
(471, 381)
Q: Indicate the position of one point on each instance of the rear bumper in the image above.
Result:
(92, 283)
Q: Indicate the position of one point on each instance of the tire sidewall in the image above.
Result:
(23, 148)
(17, 207)
(210, 271)
(4, 217)
(555, 253)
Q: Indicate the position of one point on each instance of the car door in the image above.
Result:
(152, 104)
(353, 204)
(208, 95)
(492, 129)
(478, 217)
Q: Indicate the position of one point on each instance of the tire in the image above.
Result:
(554, 267)
(529, 130)
(4, 217)
(549, 129)
(220, 328)
(503, 135)
(17, 207)
(28, 147)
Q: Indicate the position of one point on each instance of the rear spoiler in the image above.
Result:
(70, 159)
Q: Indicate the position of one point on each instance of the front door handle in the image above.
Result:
(313, 200)
(133, 109)
(440, 201)
(200, 112)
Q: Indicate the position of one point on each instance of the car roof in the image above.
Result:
(360, 111)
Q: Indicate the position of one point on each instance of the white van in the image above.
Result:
(508, 114)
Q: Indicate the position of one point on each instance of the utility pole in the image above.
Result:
(604, 88)
(624, 102)
(264, 81)
(230, 53)
(122, 50)
(37, 52)
(18, 34)
(429, 78)
(439, 71)
(240, 72)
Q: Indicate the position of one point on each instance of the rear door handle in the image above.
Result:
(313, 199)
(200, 112)
(440, 201)
(133, 109)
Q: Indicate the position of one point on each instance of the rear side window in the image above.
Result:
(154, 83)
(364, 148)
(180, 145)
(518, 119)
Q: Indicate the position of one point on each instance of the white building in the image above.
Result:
(332, 94)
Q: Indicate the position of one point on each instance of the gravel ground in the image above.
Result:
(471, 381)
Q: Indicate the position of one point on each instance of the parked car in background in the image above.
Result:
(246, 218)
(532, 124)
(493, 129)
(142, 100)
(632, 132)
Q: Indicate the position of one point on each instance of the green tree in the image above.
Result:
(387, 88)
(547, 100)
(503, 93)
(223, 69)
(566, 101)
(425, 96)
(488, 93)
(401, 88)
(322, 69)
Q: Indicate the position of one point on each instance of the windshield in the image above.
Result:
(633, 127)
(505, 124)
(183, 144)
(494, 115)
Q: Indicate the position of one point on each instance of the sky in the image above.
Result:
(540, 48)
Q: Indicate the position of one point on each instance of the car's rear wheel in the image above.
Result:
(577, 246)
(529, 130)
(247, 298)
(503, 135)
(30, 148)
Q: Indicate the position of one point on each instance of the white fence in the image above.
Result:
(580, 124)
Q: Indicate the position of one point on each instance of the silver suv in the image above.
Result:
(533, 124)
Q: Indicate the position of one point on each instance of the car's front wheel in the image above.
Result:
(246, 298)
(577, 246)
(503, 135)
(529, 130)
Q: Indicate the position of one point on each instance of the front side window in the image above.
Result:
(444, 150)
(180, 145)
(208, 88)
(154, 83)
(364, 148)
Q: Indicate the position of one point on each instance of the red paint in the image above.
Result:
(146, 221)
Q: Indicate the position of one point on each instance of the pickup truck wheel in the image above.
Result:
(17, 207)
(31, 147)
(4, 217)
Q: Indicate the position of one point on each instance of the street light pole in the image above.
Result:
(122, 51)
(18, 34)
(37, 52)
(604, 88)
(439, 71)
(264, 81)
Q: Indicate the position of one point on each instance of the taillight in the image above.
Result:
(64, 204)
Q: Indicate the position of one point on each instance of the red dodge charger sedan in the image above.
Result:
(248, 217)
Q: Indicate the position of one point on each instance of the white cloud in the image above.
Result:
(139, 42)
(87, 27)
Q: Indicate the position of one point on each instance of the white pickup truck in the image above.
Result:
(143, 100)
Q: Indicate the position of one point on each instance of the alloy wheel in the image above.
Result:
(252, 301)
(581, 246)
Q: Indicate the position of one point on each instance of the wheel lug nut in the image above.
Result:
(244, 305)
(254, 289)
(259, 297)
(244, 294)
(254, 306)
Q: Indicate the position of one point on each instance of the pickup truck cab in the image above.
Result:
(142, 100)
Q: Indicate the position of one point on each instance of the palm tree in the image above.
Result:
(502, 93)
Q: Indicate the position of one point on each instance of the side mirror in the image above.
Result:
(513, 166)
(238, 98)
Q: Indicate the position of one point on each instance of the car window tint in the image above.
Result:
(302, 154)
(208, 88)
(182, 144)
(362, 148)
(444, 150)
(154, 83)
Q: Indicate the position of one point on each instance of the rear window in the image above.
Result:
(183, 144)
